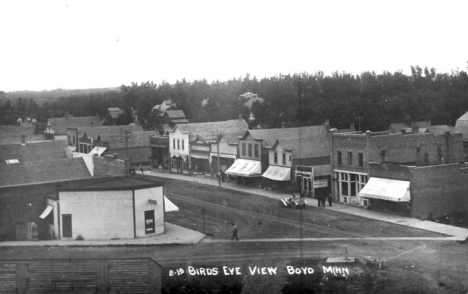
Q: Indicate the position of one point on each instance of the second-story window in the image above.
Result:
(243, 149)
(178, 144)
(338, 157)
(361, 159)
(284, 158)
(250, 150)
(275, 157)
(182, 144)
(256, 150)
(173, 143)
(350, 158)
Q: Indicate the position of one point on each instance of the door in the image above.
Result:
(149, 222)
(67, 226)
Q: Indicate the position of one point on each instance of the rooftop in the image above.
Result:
(39, 172)
(270, 136)
(60, 125)
(95, 132)
(36, 151)
(113, 184)
(210, 130)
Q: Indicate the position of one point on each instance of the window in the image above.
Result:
(149, 222)
(256, 150)
(290, 157)
(178, 144)
(182, 144)
(338, 154)
(243, 149)
(284, 158)
(173, 143)
(439, 153)
(350, 158)
(275, 157)
(250, 150)
(361, 159)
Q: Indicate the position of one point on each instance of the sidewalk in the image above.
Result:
(458, 233)
(174, 235)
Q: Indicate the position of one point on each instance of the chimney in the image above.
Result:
(414, 128)
(23, 139)
(283, 125)
(240, 116)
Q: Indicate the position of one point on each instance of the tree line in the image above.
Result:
(376, 100)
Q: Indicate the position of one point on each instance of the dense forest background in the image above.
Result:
(375, 100)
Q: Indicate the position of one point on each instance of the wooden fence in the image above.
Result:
(138, 275)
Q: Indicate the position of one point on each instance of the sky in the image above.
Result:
(46, 45)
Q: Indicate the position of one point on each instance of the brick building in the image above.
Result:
(417, 191)
(353, 151)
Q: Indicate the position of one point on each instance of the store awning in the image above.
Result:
(98, 150)
(169, 206)
(245, 168)
(46, 212)
(386, 189)
(196, 156)
(278, 173)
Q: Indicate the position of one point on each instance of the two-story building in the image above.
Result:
(190, 139)
(353, 151)
(224, 158)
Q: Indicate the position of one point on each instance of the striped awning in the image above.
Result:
(278, 173)
(245, 168)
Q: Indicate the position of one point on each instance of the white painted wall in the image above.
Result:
(99, 215)
(142, 205)
(280, 151)
(177, 135)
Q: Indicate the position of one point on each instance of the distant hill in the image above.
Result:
(40, 97)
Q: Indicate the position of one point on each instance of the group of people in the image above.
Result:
(322, 198)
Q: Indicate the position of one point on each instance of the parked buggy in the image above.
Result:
(295, 201)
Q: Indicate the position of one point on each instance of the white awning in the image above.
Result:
(199, 156)
(46, 211)
(10, 161)
(278, 173)
(98, 150)
(169, 206)
(245, 168)
(386, 189)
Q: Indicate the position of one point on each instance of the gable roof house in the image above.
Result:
(164, 106)
(198, 135)
(58, 126)
(114, 112)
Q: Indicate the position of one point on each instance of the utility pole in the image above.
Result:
(219, 170)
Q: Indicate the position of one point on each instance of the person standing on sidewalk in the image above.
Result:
(141, 168)
(329, 200)
(234, 232)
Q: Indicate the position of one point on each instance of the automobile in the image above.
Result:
(295, 201)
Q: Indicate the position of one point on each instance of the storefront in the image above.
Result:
(225, 162)
(246, 171)
(312, 181)
(200, 164)
(180, 164)
(387, 195)
(278, 177)
(348, 185)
